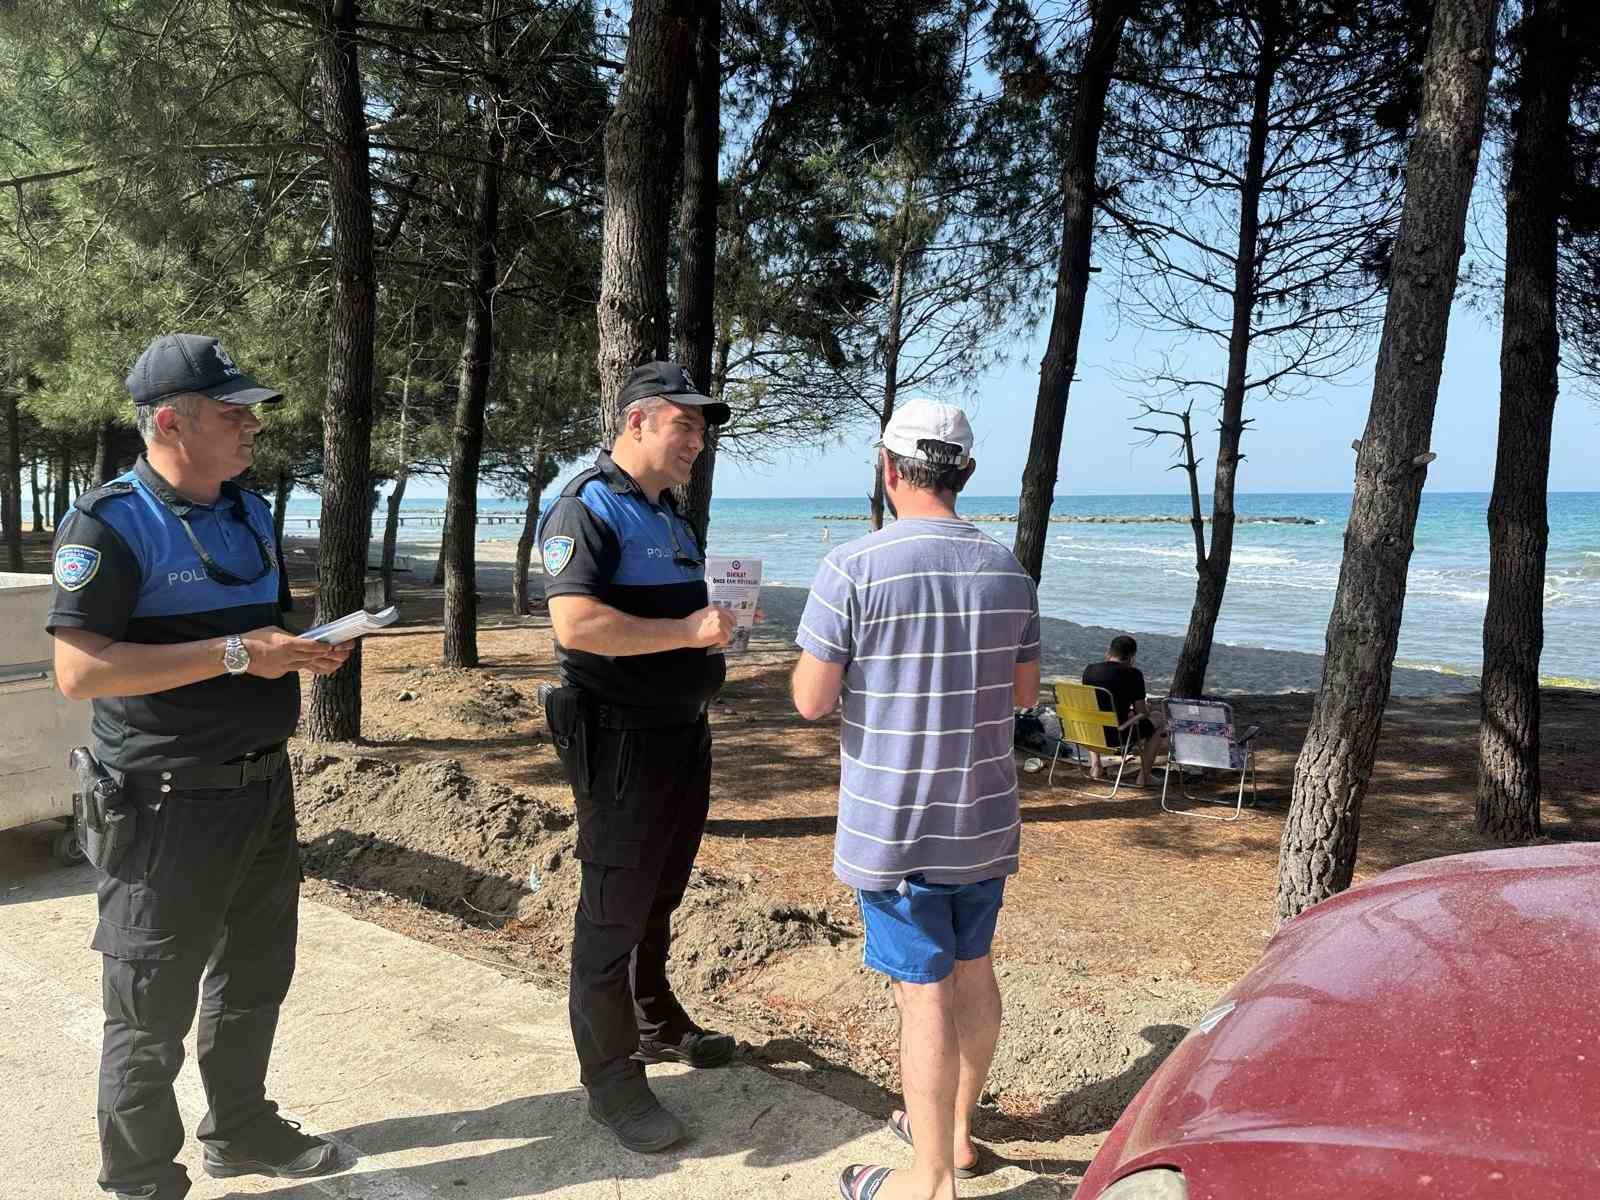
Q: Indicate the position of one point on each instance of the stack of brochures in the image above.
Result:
(357, 624)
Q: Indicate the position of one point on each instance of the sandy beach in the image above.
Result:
(1068, 646)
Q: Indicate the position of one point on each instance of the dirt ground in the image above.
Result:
(452, 822)
(1124, 925)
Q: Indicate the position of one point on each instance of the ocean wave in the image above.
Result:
(1263, 558)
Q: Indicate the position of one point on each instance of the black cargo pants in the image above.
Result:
(210, 888)
(639, 830)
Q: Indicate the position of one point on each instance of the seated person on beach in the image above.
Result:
(1125, 682)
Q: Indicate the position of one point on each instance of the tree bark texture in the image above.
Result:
(521, 602)
(891, 359)
(1189, 678)
(63, 484)
(402, 476)
(11, 492)
(1519, 532)
(33, 482)
(1060, 361)
(1318, 852)
(282, 486)
(347, 408)
(472, 398)
(100, 471)
(643, 138)
(697, 270)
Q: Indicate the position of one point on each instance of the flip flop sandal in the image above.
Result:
(859, 1182)
(900, 1126)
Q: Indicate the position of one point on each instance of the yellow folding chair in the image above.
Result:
(1089, 719)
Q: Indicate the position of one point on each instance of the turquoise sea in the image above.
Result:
(1141, 577)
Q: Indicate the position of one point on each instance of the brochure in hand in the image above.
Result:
(356, 624)
(735, 584)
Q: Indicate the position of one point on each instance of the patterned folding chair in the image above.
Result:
(1200, 733)
(1089, 719)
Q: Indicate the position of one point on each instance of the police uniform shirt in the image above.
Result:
(125, 569)
(603, 538)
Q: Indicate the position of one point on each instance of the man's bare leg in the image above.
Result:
(1094, 765)
(977, 1011)
(978, 1028)
(1147, 758)
(931, 1070)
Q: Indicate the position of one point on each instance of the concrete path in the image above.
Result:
(441, 1077)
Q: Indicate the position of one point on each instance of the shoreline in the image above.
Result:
(1068, 646)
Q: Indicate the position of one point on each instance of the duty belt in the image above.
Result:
(614, 716)
(236, 773)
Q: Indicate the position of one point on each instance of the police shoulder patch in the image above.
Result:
(75, 566)
(557, 554)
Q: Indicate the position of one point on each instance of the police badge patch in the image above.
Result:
(557, 554)
(76, 566)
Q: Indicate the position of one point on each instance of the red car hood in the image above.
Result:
(1434, 1032)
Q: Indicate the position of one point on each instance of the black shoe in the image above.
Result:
(697, 1048)
(274, 1146)
(636, 1117)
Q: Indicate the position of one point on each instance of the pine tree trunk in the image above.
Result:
(1519, 532)
(891, 356)
(402, 476)
(33, 481)
(643, 140)
(335, 713)
(63, 484)
(282, 486)
(1318, 852)
(102, 448)
(1189, 677)
(521, 602)
(11, 491)
(697, 272)
(472, 395)
(1060, 361)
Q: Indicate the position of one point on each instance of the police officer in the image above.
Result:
(639, 649)
(166, 615)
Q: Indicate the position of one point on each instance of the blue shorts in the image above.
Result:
(917, 933)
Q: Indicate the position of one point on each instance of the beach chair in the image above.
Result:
(1089, 720)
(1200, 733)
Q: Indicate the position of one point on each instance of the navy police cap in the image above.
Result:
(671, 381)
(192, 362)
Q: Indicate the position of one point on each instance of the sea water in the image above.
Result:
(1140, 577)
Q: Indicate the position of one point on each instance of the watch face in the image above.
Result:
(234, 657)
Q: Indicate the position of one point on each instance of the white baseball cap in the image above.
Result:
(926, 429)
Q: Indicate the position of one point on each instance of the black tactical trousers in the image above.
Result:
(638, 833)
(210, 888)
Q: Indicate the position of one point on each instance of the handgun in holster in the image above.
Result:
(103, 818)
(570, 716)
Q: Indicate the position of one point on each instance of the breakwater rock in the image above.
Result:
(1151, 519)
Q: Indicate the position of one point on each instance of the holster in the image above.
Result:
(571, 718)
(101, 814)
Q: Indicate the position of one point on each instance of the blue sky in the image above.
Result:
(1296, 445)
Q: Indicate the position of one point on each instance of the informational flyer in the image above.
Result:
(735, 584)
(354, 625)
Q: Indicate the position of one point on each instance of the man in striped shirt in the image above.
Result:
(929, 633)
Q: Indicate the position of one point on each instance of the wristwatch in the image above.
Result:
(234, 656)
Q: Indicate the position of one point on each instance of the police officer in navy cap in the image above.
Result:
(640, 654)
(166, 615)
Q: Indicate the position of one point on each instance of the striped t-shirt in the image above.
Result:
(932, 617)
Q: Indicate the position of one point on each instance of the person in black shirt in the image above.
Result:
(1125, 682)
(640, 651)
(167, 616)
